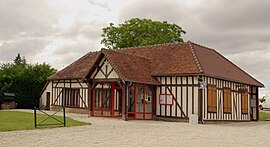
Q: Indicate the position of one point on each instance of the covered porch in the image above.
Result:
(129, 100)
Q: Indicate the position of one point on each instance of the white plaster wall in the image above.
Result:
(235, 100)
(43, 100)
(57, 91)
(100, 75)
(183, 95)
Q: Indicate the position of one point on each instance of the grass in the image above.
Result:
(264, 116)
(13, 120)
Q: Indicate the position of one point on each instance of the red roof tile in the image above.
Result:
(78, 69)
(139, 64)
(167, 59)
(216, 65)
(131, 67)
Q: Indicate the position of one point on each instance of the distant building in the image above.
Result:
(181, 81)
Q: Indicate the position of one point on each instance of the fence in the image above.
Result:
(52, 116)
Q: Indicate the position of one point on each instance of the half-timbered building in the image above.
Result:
(180, 82)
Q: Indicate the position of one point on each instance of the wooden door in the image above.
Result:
(48, 98)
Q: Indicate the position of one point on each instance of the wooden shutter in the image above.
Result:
(244, 104)
(212, 99)
(227, 101)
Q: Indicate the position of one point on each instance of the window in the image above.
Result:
(103, 97)
(71, 97)
(244, 104)
(212, 99)
(227, 101)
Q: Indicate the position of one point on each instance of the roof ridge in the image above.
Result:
(195, 57)
(201, 45)
(117, 50)
(146, 46)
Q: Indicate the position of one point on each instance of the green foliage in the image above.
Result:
(138, 32)
(264, 116)
(12, 120)
(25, 80)
(20, 61)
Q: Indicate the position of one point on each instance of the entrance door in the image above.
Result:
(140, 102)
(107, 100)
(48, 98)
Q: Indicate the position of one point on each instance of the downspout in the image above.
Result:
(200, 100)
(127, 98)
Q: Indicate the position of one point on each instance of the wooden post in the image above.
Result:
(89, 97)
(127, 100)
(124, 116)
(51, 102)
(35, 117)
(64, 115)
(154, 100)
(257, 104)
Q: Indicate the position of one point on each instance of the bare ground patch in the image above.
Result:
(115, 132)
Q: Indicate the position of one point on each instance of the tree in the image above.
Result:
(25, 80)
(20, 61)
(139, 32)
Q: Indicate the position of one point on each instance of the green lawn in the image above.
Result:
(13, 120)
(264, 116)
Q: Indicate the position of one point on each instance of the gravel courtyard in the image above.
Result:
(115, 132)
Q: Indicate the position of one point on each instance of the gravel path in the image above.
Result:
(115, 132)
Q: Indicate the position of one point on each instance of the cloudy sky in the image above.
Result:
(60, 31)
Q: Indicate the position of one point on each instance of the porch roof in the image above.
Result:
(131, 67)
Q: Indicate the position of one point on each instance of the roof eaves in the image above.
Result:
(63, 78)
(231, 80)
(150, 83)
(172, 75)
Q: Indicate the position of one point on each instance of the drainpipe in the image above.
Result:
(127, 99)
(200, 100)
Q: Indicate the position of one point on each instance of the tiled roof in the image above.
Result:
(167, 59)
(216, 65)
(131, 67)
(140, 64)
(78, 69)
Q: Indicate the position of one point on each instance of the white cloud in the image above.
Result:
(239, 30)
(60, 31)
